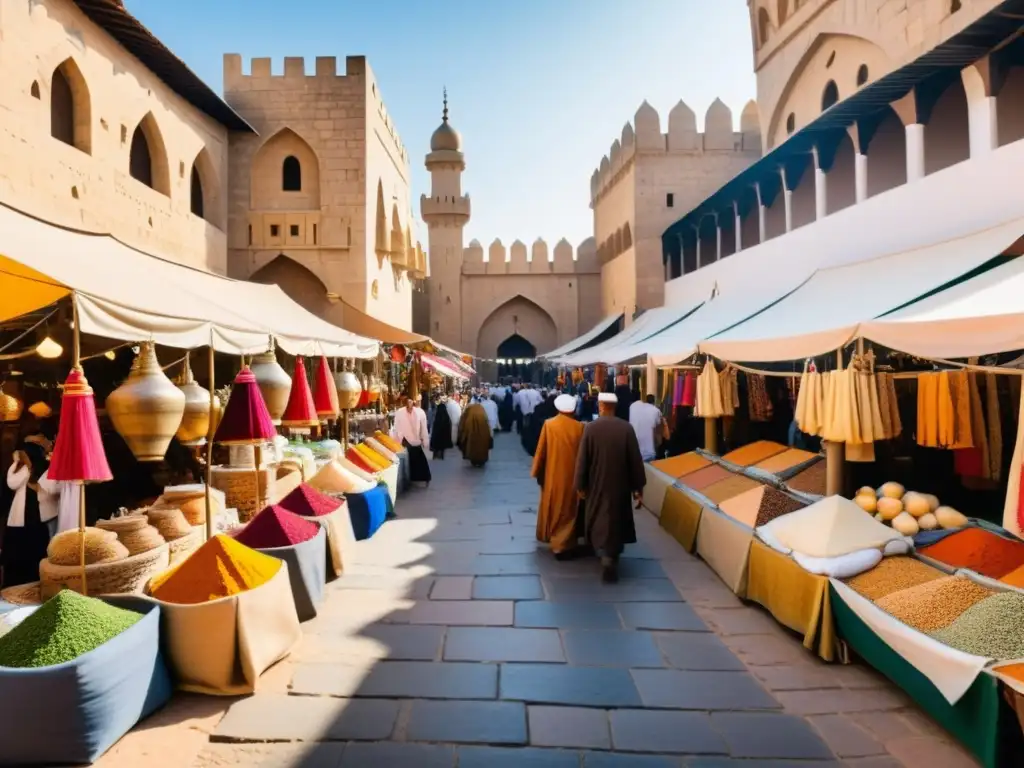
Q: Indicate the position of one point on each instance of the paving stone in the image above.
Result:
(796, 678)
(477, 613)
(567, 615)
(392, 755)
(582, 686)
(698, 651)
(462, 722)
(845, 737)
(508, 588)
(640, 568)
(279, 717)
(219, 755)
(627, 591)
(611, 648)
(741, 621)
(508, 547)
(690, 733)
(677, 689)
(618, 760)
(452, 588)
(667, 616)
(827, 702)
(506, 565)
(728, 762)
(497, 757)
(407, 642)
(770, 736)
(767, 650)
(925, 752)
(503, 644)
(859, 676)
(884, 726)
(569, 727)
(408, 679)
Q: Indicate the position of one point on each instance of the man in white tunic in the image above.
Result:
(645, 418)
(491, 408)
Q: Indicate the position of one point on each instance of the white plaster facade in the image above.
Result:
(78, 116)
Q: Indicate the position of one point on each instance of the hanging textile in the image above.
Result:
(944, 410)
(974, 462)
(688, 396)
(810, 403)
(730, 390)
(995, 427)
(709, 403)
(759, 404)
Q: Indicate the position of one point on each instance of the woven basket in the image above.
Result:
(23, 594)
(238, 485)
(135, 532)
(183, 546)
(191, 500)
(122, 577)
(100, 547)
(170, 522)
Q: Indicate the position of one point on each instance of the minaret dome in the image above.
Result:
(445, 137)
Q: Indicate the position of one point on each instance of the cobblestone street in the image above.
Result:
(456, 640)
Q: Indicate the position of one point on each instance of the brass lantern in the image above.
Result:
(147, 408)
(10, 406)
(349, 388)
(195, 425)
(274, 383)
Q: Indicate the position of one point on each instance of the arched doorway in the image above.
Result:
(513, 354)
(518, 329)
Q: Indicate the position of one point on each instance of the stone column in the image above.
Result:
(787, 199)
(737, 226)
(718, 239)
(982, 83)
(762, 226)
(860, 172)
(696, 229)
(915, 152)
(820, 189)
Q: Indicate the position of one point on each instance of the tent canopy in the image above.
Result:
(980, 316)
(582, 341)
(124, 294)
(641, 327)
(343, 314)
(823, 313)
(637, 346)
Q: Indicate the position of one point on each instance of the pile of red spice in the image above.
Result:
(274, 527)
(979, 550)
(353, 455)
(307, 501)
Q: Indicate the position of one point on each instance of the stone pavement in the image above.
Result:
(456, 640)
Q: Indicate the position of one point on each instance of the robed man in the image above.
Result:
(544, 411)
(554, 466)
(475, 435)
(609, 477)
(506, 413)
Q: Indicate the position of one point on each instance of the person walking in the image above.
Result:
(609, 478)
(506, 411)
(441, 430)
(475, 437)
(410, 430)
(646, 420)
(559, 520)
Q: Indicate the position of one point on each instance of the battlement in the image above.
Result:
(518, 261)
(261, 68)
(644, 136)
(443, 208)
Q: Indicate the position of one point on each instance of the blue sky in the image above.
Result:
(539, 89)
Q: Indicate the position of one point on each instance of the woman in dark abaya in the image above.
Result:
(441, 432)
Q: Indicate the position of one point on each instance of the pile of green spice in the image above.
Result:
(65, 627)
(993, 628)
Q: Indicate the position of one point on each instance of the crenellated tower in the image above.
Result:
(446, 212)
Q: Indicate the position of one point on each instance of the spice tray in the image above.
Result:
(307, 572)
(72, 713)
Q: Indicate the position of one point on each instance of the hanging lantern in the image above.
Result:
(10, 406)
(246, 420)
(373, 388)
(325, 394)
(364, 395)
(147, 408)
(300, 411)
(78, 454)
(40, 410)
(349, 388)
(195, 424)
(398, 353)
(273, 381)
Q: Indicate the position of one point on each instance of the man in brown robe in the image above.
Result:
(609, 477)
(475, 435)
(554, 466)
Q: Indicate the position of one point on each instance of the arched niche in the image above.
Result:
(70, 106)
(382, 246)
(147, 156)
(205, 199)
(947, 136)
(517, 316)
(516, 347)
(806, 86)
(297, 281)
(285, 161)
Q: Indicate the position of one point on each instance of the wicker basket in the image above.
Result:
(238, 485)
(135, 532)
(122, 577)
(183, 546)
(22, 594)
(191, 500)
(100, 547)
(170, 522)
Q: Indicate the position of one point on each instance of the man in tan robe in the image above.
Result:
(554, 466)
(610, 477)
(475, 435)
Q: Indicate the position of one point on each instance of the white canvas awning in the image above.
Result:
(980, 316)
(824, 312)
(581, 341)
(595, 354)
(637, 346)
(124, 294)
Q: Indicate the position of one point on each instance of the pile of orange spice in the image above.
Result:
(222, 567)
(979, 550)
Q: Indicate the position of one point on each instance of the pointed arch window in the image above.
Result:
(830, 95)
(291, 174)
(70, 116)
(196, 192)
(140, 159)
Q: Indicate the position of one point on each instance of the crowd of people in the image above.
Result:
(588, 449)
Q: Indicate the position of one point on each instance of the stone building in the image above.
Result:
(92, 138)
(319, 201)
(886, 125)
(521, 301)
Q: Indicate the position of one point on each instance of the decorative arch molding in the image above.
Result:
(147, 156)
(382, 246)
(801, 74)
(300, 283)
(517, 315)
(266, 187)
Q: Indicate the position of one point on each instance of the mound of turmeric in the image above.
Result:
(219, 568)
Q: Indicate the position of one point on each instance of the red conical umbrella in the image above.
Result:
(300, 411)
(78, 455)
(325, 393)
(246, 420)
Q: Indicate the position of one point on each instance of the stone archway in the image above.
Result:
(519, 322)
(298, 282)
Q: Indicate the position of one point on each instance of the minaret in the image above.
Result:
(446, 212)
